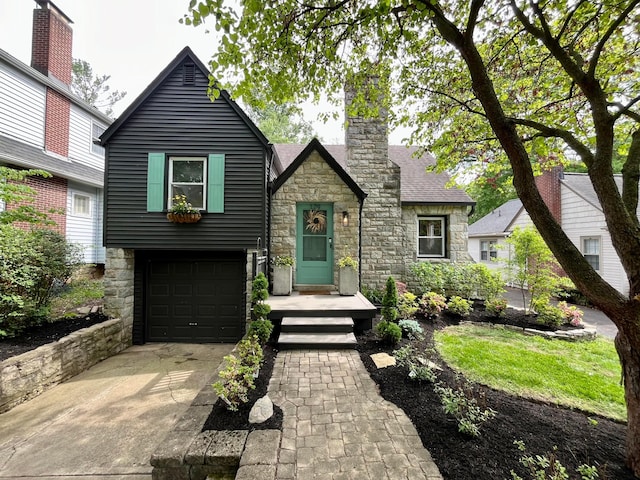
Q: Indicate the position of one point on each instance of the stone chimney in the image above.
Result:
(549, 187)
(382, 237)
(51, 55)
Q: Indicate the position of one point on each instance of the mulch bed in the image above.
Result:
(46, 333)
(221, 418)
(581, 438)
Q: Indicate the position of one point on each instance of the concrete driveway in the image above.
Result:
(106, 422)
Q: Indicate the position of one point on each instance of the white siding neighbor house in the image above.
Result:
(571, 198)
(44, 126)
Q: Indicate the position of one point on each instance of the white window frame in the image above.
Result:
(491, 250)
(583, 249)
(171, 183)
(443, 236)
(75, 197)
(95, 135)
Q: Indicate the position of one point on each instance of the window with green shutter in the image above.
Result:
(199, 179)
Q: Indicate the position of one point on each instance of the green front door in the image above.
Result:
(314, 244)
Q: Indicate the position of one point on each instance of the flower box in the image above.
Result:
(183, 217)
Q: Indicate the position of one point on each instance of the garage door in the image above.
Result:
(194, 300)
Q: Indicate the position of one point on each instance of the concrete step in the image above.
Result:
(317, 325)
(316, 340)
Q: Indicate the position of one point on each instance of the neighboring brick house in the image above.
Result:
(574, 203)
(44, 126)
(191, 282)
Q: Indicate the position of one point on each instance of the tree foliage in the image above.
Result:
(281, 123)
(526, 82)
(17, 197)
(93, 89)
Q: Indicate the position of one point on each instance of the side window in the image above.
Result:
(96, 131)
(431, 237)
(81, 205)
(591, 251)
(200, 179)
(488, 250)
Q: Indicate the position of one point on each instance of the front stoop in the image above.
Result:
(316, 332)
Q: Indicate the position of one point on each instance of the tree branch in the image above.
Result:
(631, 178)
(593, 63)
(474, 10)
(626, 109)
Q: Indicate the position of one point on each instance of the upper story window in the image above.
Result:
(591, 251)
(96, 131)
(187, 176)
(488, 250)
(200, 179)
(81, 205)
(431, 237)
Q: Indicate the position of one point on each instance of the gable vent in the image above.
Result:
(189, 74)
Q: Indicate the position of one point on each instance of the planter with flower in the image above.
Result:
(182, 211)
(347, 275)
(282, 275)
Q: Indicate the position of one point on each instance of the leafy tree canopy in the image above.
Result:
(93, 89)
(17, 197)
(281, 123)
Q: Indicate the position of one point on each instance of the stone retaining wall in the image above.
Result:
(28, 375)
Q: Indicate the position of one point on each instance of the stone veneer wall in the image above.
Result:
(28, 375)
(119, 287)
(314, 181)
(382, 243)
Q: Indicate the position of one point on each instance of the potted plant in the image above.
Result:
(182, 211)
(347, 275)
(282, 275)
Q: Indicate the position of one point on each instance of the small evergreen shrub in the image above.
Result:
(432, 304)
(262, 329)
(388, 332)
(260, 293)
(459, 306)
(390, 301)
(410, 328)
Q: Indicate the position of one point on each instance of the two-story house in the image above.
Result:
(43, 125)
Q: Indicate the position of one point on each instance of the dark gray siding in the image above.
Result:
(181, 120)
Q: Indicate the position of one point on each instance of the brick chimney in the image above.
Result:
(51, 55)
(549, 187)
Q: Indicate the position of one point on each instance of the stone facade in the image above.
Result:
(368, 163)
(119, 287)
(314, 181)
(28, 375)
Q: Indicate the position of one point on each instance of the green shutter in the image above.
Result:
(215, 183)
(155, 182)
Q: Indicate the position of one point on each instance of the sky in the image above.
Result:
(132, 40)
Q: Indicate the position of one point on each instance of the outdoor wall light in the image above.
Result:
(345, 219)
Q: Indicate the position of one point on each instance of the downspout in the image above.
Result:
(360, 244)
(269, 188)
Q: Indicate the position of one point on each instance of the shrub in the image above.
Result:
(420, 369)
(235, 382)
(261, 310)
(390, 301)
(407, 305)
(428, 276)
(373, 295)
(410, 328)
(388, 332)
(262, 329)
(250, 352)
(431, 304)
(283, 261)
(32, 264)
(496, 306)
(572, 315)
(464, 408)
(549, 315)
(459, 306)
(549, 467)
(259, 293)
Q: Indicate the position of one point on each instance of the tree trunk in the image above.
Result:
(627, 341)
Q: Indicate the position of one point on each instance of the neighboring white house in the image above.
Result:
(44, 126)
(571, 198)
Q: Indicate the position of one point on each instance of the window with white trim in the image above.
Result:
(488, 250)
(591, 250)
(81, 205)
(431, 237)
(96, 131)
(188, 177)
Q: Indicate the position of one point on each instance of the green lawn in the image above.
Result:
(584, 375)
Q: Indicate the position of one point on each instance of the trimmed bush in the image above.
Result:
(390, 301)
(459, 306)
(388, 332)
(262, 329)
(432, 304)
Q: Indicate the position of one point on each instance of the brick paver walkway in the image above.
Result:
(336, 424)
